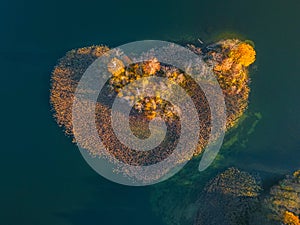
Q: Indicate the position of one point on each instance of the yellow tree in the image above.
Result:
(243, 54)
(290, 218)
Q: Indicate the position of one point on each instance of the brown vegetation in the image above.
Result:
(231, 72)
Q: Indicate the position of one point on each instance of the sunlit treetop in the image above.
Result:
(290, 218)
(243, 54)
(151, 67)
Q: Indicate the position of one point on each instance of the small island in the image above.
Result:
(283, 202)
(228, 59)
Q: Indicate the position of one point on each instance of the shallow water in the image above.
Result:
(44, 178)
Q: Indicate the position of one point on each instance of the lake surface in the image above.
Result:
(44, 179)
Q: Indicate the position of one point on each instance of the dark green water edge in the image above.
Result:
(175, 199)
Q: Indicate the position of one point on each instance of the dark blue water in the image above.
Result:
(44, 179)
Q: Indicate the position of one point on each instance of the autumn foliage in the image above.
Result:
(243, 54)
(230, 67)
(290, 218)
(284, 200)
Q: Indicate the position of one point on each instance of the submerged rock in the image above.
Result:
(230, 198)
